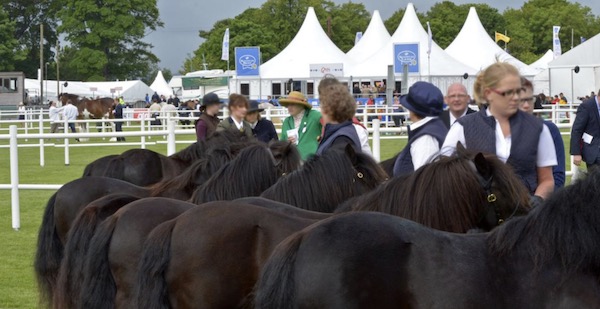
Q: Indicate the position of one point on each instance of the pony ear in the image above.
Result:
(351, 154)
(483, 166)
(460, 149)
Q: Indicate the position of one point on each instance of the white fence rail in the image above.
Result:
(380, 118)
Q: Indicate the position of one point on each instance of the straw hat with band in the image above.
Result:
(295, 97)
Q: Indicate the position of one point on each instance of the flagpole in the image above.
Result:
(505, 43)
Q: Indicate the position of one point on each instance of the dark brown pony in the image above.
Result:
(262, 174)
(65, 205)
(210, 256)
(145, 167)
(547, 259)
(325, 181)
(454, 194)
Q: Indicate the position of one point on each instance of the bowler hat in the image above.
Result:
(254, 107)
(295, 97)
(424, 99)
(210, 99)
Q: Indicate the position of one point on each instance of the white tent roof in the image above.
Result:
(411, 31)
(584, 54)
(542, 63)
(474, 47)
(374, 38)
(134, 90)
(311, 45)
(74, 87)
(160, 85)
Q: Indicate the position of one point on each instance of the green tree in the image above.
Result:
(346, 20)
(106, 37)
(26, 17)
(9, 46)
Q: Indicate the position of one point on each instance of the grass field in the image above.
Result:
(17, 248)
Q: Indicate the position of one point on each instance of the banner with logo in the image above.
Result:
(556, 41)
(406, 54)
(322, 69)
(358, 37)
(225, 47)
(247, 61)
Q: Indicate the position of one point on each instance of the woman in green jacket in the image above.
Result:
(303, 126)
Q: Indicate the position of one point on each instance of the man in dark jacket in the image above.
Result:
(457, 99)
(119, 116)
(585, 134)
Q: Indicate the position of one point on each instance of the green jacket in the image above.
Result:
(228, 124)
(308, 133)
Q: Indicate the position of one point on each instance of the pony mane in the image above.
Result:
(249, 174)
(286, 154)
(447, 181)
(325, 181)
(199, 150)
(193, 176)
(565, 228)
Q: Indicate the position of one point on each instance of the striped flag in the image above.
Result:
(556, 41)
(502, 37)
(225, 49)
(430, 37)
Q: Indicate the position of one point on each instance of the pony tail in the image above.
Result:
(276, 288)
(48, 255)
(151, 289)
(98, 289)
(80, 236)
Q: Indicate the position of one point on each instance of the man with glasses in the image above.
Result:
(585, 134)
(527, 104)
(457, 100)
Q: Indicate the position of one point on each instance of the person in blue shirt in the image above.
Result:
(527, 105)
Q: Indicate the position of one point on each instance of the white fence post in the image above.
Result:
(376, 139)
(14, 178)
(41, 121)
(143, 128)
(171, 138)
(67, 162)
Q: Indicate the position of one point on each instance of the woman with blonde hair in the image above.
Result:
(517, 138)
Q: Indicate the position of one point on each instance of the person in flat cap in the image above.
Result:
(303, 126)
(427, 132)
(263, 129)
(208, 121)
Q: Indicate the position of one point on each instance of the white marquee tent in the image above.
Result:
(561, 71)
(474, 47)
(75, 87)
(441, 68)
(311, 45)
(132, 91)
(374, 38)
(542, 63)
(160, 86)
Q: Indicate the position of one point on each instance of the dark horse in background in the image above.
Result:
(547, 259)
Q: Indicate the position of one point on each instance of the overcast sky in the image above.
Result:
(184, 18)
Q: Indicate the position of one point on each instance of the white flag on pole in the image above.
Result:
(556, 41)
(430, 37)
(225, 50)
(358, 37)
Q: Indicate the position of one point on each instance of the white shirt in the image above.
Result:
(55, 113)
(363, 137)
(546, 153)
(238, 125)
(424, 148)
(71, 112)
(453, 119)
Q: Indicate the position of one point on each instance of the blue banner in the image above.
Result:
(247, 61)
(406, 54)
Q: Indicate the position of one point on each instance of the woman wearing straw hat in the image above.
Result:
(303, 126)
(263, 129)
(208, 120)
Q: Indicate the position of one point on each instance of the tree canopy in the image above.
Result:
(104, 38)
